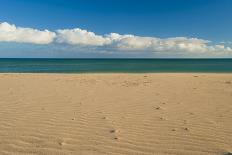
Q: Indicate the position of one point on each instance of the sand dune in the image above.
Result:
(68, 114)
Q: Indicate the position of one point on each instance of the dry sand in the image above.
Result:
(56, 114)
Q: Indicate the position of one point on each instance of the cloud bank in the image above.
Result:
(111, 42)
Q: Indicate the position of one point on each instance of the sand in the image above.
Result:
(72, 114)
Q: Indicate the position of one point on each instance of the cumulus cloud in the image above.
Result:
(79, 37)
(131, 42)
(11, 33)
(112, 42)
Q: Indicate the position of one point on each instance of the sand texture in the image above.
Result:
(91, 114)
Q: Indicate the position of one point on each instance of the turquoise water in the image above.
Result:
(115, 65)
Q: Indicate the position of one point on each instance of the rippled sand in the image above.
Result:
(56, 114)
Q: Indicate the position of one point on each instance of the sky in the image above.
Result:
(116, 28)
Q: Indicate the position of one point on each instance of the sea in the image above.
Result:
(31, 65)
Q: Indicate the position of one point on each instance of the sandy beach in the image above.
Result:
(90, 114)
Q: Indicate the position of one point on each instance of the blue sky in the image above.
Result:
(203, 25)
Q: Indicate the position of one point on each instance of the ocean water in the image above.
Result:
(115, 65)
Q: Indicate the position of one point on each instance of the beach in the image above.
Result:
(115, 113)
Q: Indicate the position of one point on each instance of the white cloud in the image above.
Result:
(11, 33)
(79, 37)
(129, 42)
(112, 42)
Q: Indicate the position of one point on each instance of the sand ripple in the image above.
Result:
(58, 114)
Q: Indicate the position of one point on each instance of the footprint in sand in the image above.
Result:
(158, 108)
(186, 129)
(173, 129)
(103, 117)
(114, 131)
(228, 82)
(60, 142)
